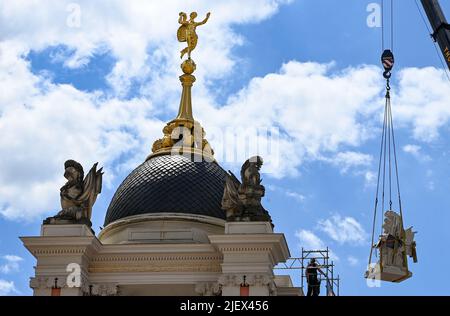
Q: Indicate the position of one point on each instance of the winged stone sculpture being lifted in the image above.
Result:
(394, 246)
(78, 195)
(391, 241)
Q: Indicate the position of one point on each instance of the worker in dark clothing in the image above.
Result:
(312, 279)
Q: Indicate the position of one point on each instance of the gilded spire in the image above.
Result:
(187, 33)
(183, 134)
(187, 80)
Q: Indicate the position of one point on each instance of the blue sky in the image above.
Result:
(102, 92)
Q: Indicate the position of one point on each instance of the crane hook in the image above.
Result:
(387, 59)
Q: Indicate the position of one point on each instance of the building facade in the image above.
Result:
(177, 225)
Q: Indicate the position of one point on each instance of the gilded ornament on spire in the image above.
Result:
(183, 134)
(186, 32)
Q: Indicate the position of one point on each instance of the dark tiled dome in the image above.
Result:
(170, 183)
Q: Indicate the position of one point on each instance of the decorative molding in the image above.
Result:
(154, 258)
(231, 280)
(262, 280)
(48, 282)
(59, 251)
(244, 249)
(158, 263)
(272, 289)
(208, 288)
(259, 279)
(99, 289)
(250, 279)
(157, 267)
(104, 289)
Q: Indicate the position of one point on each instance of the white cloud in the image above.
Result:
(313, 107)
(139, 34)
(295, 195)
(430, 181)
(350, 159)
(356, 163)
(353, 261)
(343, 230)
(11, 265)
(310, 241)
(7, 288)
(416, 151)
(289, 193)
(43, 124)
(411, 149)
(370, 178)
(421, 101)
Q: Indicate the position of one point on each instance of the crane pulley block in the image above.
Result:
(387, 59)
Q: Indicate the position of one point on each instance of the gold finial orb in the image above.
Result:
(188, 66)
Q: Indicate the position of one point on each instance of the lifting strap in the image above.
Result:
(387, 159)
(387, 148)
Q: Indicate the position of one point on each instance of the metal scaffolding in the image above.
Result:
(325, 264)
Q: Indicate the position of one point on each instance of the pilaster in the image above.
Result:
(250, 251)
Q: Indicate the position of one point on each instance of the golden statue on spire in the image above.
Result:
(184, 135)
(186, 32)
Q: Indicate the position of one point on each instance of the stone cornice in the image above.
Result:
(248, 238)
(58, 240)
(52, 245)
(273, 243)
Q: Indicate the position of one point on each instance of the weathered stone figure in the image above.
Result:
(393, 244)
(251, 191)
(242, 201)
(230, 200)
(78, 195)
(390, 243)
(187, 31)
